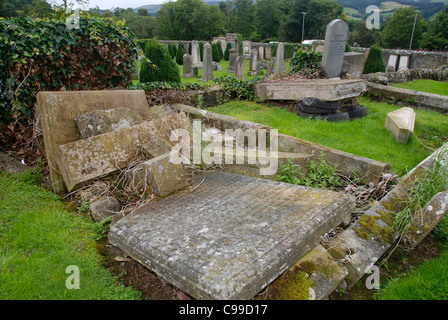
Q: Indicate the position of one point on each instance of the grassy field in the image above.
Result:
(39, 239)
(364, 137)
(425, 85)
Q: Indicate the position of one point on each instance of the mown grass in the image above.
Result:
(365, 137)
(425, 85)
(39, 239)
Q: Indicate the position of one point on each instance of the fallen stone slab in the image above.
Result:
(83, 160)
(231, 236)
(401, 123)
(97, 122)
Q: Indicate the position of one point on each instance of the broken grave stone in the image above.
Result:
(104, 207)
(401, 123)
(57, 111)
(101, 121)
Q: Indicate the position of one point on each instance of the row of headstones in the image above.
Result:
(398, 62)
(191, 63)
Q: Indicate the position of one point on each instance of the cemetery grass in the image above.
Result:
(425, 85)
(365, 137)
(39, 238)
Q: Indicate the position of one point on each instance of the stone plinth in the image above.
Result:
(322, 89)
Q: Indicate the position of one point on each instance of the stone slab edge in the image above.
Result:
(429, 100)
(360, 250)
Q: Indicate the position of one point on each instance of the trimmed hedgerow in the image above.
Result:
(180, 54)
(226, 52)
(161, 67)
(45, 55)
(374, 61)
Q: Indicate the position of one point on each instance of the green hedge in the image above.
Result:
(290, 48)
(45, 55)
(160, 67)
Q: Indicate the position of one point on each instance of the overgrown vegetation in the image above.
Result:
(46, 55)
(307, 62)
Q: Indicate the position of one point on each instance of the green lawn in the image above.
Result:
(425, 85)
(39, 239)
(364, 137)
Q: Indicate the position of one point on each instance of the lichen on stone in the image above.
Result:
(369, 226)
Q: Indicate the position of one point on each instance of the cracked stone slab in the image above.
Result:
(231, 235)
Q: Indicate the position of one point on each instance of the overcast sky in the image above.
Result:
(108, 4)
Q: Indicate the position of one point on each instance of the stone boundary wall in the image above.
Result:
(417, 59)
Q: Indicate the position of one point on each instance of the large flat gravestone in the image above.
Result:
(57, 112)
(334, 49)
(232, 235)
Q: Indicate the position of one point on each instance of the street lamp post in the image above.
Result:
(303, 24)
(413, 29)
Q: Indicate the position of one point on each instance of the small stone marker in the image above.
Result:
(232, 235)
(392, 63)
(207, 66)
(233, 54)
(261, 53)
(401, 123)
(334, 49)
(188, 72)
(57, 111)
(253, 70)
(239, 67)
(104, 207)
(97, 122)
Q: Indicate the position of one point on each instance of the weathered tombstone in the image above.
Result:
(270, 70)
(401, 123)
(261, 52)
(334, 48)
(392, 63)
(57, 112)
(239, 67)
(267, 53)
(354, 64)
(247, 49)
(195, 71)
(224, 240)
(279, 65)
(195, 55)
(188, 73)
(207, 66)
(253, 63)
(232, 60)
(404, 62)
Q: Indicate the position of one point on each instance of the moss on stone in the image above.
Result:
(369, 226)
(293, 285)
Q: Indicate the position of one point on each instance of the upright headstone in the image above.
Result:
(261, 53)
(232, 60)
(239, 67)
(392, 63)
(188, 72)
(247, 48)
(253, 63)
(279, 65)
(270, 70)
(334, 48)
(207, 66)
(403, 64)
(267, 53)
(195, 55)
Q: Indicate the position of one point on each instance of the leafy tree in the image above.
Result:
(361, 35)
(172, 50)
(374, 61)
(221, 54)
(437, 36)
(267, 18)
(188, 20)
(143, 12)
(397, 30)
(164, 68)
(180, 54)
(242, 17)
